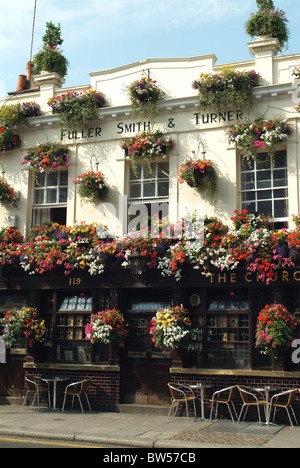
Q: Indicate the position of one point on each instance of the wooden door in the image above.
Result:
(147, 369)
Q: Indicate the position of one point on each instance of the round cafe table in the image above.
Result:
(200, 386)
(267, 390)
(54, 380)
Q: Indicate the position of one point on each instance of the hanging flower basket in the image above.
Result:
(171, 328)
(23, 327)
(275, 329)
(91, 185)
(77, 108)
(30, 109)
(259, 135)
(146, 147)
(144, 94)
(48, 156)
(107, 326)
(227, 89)
(198, 173)
(7, 193)
(8, 140)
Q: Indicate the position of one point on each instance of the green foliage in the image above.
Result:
(50, 57)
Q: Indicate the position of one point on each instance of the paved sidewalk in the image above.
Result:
(142, 430)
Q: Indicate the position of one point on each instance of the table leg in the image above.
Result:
(54, 394)
(202, 404)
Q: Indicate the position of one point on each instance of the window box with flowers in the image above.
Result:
(228, 89)
(259, 135)
(144, 94)
(198, 173)
(107, 326)
(48, 156)
(77, 108)
(171, 328)
(275, 332)
(8, 194)
(146, 147)
(91, 185)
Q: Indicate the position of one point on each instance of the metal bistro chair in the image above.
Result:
(77, 389)
(284, 400)
(250, 399)
(181, 394)
(38, 392)
(224, 397)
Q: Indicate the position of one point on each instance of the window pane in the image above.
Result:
(51, 196)
(63, 195)
(265, 207)
(263, 179)
(135, 191)
(280, 177)
(280, 208)
(163, 189)
(163, 170)
(280, 159)
(250, 207)
(38, 198)
(248, 181)
(52, 179)
(264, 194)
(39, 180)
(63, 180)
(138, 173)
(280, 193)
(247, 165)
(263, 161)
(149, 189)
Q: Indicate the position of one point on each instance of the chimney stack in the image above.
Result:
(24, 81)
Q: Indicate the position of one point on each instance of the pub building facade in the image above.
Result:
(224, 304)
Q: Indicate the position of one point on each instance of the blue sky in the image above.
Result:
(103, 34)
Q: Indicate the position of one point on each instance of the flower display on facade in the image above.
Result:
(259, 135)
(49, 156)
(250, 243)
(275, 329)
(107, 326)
(77, 108)
(7, 193)
(171, 328)
(146, 147)
(8, 139)
(23, 327)
(198, 173)
(144, 94)
(227, 89)
(91, 185)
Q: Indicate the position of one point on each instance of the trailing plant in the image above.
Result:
(47, 156)
(7, 193)
(227, 89)
(23, 327)
(171, 328)
(259, 135)
(146, 147)
(144, 94)
(198, 173)
(268, 21)
(10, 236)
(91, 185)
(50, 57)
(107, 326)
(77, 108)
(275, 329)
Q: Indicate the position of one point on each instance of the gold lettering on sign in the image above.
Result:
(74, 281)
(248, 277)
(296, 277)
(222, 278)
(285, 276)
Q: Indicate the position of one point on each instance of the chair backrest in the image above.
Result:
(84, 386)
(244, 392)
(176, 391)
(31, 384)
(232, 392)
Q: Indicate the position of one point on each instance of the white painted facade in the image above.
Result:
(178, 115)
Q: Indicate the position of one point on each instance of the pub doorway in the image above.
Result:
(146, 367)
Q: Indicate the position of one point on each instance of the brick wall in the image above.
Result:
(222, 381)
(103, 392)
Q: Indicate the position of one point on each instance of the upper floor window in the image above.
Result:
(50, 196)
(264, 186)
(148, 194)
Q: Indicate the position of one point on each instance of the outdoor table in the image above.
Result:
(267, 390)
(54, 380)
(200, 386)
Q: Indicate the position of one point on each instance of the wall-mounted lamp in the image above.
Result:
(137, 263)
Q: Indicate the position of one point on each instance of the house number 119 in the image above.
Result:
(74, 281)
